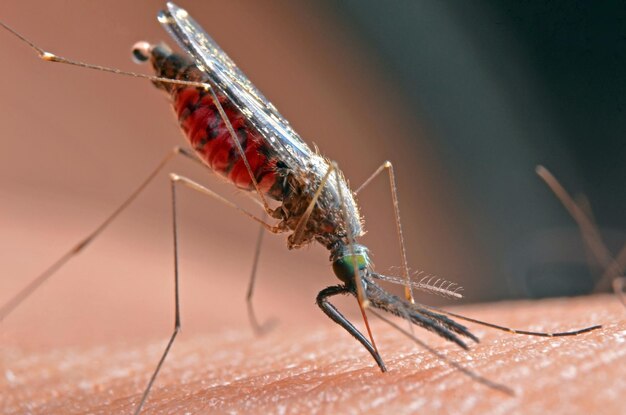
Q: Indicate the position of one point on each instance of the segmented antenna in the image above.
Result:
(428, 283)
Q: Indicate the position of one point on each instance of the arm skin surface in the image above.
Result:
(323, 370)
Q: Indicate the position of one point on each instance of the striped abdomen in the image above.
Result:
(207, 133)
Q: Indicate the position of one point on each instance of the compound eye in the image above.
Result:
(344, 266)
(141, 52)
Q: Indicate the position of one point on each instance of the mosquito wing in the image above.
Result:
(229, 80)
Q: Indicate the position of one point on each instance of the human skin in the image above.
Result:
(323, 370)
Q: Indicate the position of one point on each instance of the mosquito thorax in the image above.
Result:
(344, 260)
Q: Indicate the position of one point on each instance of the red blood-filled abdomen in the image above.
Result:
(208, 136)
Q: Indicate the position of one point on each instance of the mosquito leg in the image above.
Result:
(408, 291)
(208, 192)
(22, 295)
(259, 329)
(615, 273)
(51, 57)
(582, 201)
(515, 331)
(334, 314)
(618, 286)
(177, 324)
(589, 232)
(613, 268)
(174, 180)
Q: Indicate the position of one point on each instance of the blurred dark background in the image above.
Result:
(466, 98)
(504, 86)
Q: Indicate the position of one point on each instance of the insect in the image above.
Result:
(233, 130)
(613, 267)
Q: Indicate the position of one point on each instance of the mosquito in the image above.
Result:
(613, 267)
(234, 131)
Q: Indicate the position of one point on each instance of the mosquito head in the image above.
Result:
(344, 259)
